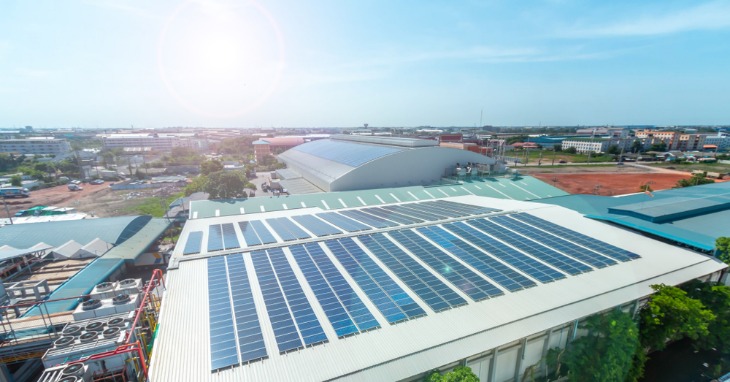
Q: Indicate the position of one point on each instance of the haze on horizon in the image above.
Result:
(221, 63)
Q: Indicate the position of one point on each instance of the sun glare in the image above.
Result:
(219, 59)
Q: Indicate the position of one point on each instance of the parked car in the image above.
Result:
(97, 181)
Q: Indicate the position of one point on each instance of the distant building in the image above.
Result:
(597, 146)
(151, 142)
(674, 140)
(720, 141)
(269, 146)
(36, 145)
(613, 132)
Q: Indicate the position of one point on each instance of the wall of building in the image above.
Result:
(47, 146)
(422, 166)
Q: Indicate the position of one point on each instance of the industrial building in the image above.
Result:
(152, 141)
(352, 162)
(349, 286)
(35, 145)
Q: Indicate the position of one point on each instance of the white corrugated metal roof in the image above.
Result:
(182, 348)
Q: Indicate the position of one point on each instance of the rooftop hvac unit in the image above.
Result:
(71, 378)
(112, 332)
(104, 290)
(94, 308)
(125, 303)
(71, 330)
(75, 370)
(88, 337)
(116, 322)
(129, 286)
(95, 326)
(64, 341)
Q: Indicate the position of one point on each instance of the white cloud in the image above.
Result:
(120, 5)
(709, 16)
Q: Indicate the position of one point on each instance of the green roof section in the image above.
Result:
(138, 235)
(112, 230)
(695, 216)
(516, 188)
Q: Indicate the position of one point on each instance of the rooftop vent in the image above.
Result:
(71, 378)
(110, 333)
(88, 337)
(73, 369)
(95, 326)
(71, 330)
(104, 287)
(90, 304)
(116, 322)
(121, 298)
(64, 341)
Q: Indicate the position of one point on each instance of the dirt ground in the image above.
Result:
(608, 180)
(95, 200)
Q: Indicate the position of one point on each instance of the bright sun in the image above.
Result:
(220, 59)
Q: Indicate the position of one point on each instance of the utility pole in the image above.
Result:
(5, 202)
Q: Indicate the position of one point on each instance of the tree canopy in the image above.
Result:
(225, 184)
(716, 298)
(459, 374)
(671, 315)
(695, 180)
(210, 166)
(607, 351)
(722, 245)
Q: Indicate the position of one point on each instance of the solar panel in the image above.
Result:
(223, 348)
(518, 260)
(248, 329)
(193, 243)
(428, 287)
(368, 219)
(215, 238)
(578, 238)
(488, 266)
(285, 302)
(343, 222)
(351, 154)
(467, 209)
(392, 301)
(229, 296)
(249, 234)
(435, 209)
(392, 216)
(555, 242)
(263, 233)
(344, 309)
(414, 213)
(316, 226)
(230, 240)
(536, 250)
(278, 226)
(460, 276)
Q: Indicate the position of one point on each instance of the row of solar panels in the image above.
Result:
(255, 232)
(430, 261)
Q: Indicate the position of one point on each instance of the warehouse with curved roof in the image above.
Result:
(347, 162)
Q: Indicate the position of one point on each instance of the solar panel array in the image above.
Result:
(193, 243)
(444, 266)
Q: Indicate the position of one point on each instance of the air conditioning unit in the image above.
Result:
(94, 308)
(128, 286)
(75, 372)
(125, 303)
(104, 290)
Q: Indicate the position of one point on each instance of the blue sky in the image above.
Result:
(118, 63)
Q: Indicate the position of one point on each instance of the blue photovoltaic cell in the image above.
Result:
(263, 233)
(286, 229)
(524, 263)
(249, 234)
(578, 238)
(555, 242)
(460, 276)
(282, 322)
(346, 312)
(230, 240)
(309, 328)
(316, 226)
(392, 301)
(348, 153)
(215, 238)
(428, 287)
(368, 219)
(541, 252)
(223, 349)
(385, 214)
(466, 209)
(496, 271)
(435, 209)
(403, 209)
(193, 243)
(343, 222)
(248, 329)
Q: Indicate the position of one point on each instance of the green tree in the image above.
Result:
(695, 180)
(570, 150)
(225, 184)
(637, 146)
(606, 352)
(661, 146)
(613, 150)
(459, 374)
(671, 315)
(722, 248)
(715, 297)
(516, 138)
(198, 184)
(210, 166)
(16, 180)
